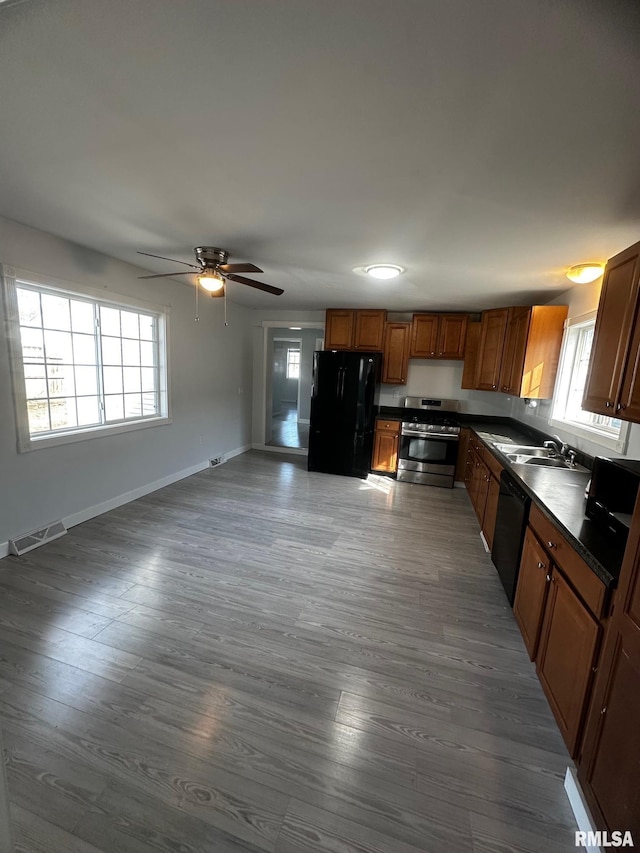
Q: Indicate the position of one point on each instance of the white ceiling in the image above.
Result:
(485, 145)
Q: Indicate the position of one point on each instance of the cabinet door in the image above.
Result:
(463, 452)
(609, 352)
(395, 360)
(491, 509)
(492, 335)
(385, 451)
(515, 349)
(610, 761)
(471, 356)
(369, 330)
(424, 336)
(531, 591)
(566, 657)
(481, 488)
(452, 334)
(339, 329)
(628, 406)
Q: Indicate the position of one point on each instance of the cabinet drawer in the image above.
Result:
(384, 425)
(591, 589)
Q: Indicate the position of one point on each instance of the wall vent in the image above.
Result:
(217, 460)
(36, 538)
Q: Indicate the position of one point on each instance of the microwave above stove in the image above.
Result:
(612, 495)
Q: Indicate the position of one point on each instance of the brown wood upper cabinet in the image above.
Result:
(438, 335)
(395, 361)
(613, 381)
(532, 351)
(519, 350)
(471, 355)
(348, 329)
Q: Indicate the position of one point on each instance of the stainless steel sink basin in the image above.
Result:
(520, 454)
(522, 450)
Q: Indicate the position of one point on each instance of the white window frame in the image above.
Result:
(580, 430)
(299, 351)
(25, 440)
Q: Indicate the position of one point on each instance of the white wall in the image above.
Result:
(211, 385)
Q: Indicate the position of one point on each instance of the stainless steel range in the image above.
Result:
(429, 442)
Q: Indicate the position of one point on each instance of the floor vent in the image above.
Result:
(36, 538)
(217, 460)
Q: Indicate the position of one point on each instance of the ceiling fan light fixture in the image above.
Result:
(585, 273)
(211, 281)
(384, 271)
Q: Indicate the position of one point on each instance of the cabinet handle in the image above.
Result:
(608, 404)
(603, 710)
(494, 386)
(548, 577)
(541, 566)
(432, 353)
(618, 407)
(551, 544)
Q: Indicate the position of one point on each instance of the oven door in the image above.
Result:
(430, 454)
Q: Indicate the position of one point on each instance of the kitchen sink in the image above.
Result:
(544, 457)
(522, 450)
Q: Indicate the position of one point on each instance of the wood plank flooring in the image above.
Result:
(262, 659)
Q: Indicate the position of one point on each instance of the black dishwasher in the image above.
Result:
(511, 521)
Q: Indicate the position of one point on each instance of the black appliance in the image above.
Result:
(511, 522)
(612, 496)
(429, 440)
(344, 397)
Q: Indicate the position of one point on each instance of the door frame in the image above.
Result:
(277, 324)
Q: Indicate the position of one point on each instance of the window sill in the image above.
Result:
(619, 445)
(36, 443)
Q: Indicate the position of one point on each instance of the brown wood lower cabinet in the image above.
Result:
(482, 480)
(531, 592)
(386, 442)
(567, 656)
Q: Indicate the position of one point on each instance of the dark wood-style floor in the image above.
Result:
(262, 659)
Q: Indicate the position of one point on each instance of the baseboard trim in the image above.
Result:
(272, 448)
(579, 806)
(4, 549)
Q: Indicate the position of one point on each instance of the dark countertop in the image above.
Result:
(559, 493)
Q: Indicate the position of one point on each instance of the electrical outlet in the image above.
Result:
(217, 460)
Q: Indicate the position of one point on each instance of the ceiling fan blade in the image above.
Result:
(257, 284)
(233, 268)
(173, 260)
(167, 274)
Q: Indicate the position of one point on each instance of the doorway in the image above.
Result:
(289, 371)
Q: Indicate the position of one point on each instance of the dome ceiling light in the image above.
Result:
(585, 273)
(384, 271)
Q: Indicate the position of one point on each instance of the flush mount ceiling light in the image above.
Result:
(295, 328)
(384, 271)
(585, 273)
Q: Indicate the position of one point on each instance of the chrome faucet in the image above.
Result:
(557, 445)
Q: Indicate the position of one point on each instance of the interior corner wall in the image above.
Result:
(210, 385)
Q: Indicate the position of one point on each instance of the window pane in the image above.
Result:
(29, 308)
(111, 351)
(55, 312)
(88, 411)
(84, 349)
(38, 413)
(129, 324)
(110, 321)
(132, 379)
(147, 354)
(63, 413)
(148, 378)
(86, 380)
(132, 406)
(34, 371)
(32, 345)
(131, 352)
(113, 407)
(58, 346)
(61, 380)
(35, 388)
(146, 327)
(82, 317)
(149, 406)
(112, 378)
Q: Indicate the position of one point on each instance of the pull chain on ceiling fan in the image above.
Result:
(212, 271)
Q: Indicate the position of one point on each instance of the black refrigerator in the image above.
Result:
(344, 404)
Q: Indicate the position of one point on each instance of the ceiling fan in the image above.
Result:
(212, 271)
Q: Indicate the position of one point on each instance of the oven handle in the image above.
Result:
(428, 435)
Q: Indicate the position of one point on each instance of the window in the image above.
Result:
(293, 363)
(572, 376)
(82, 364)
